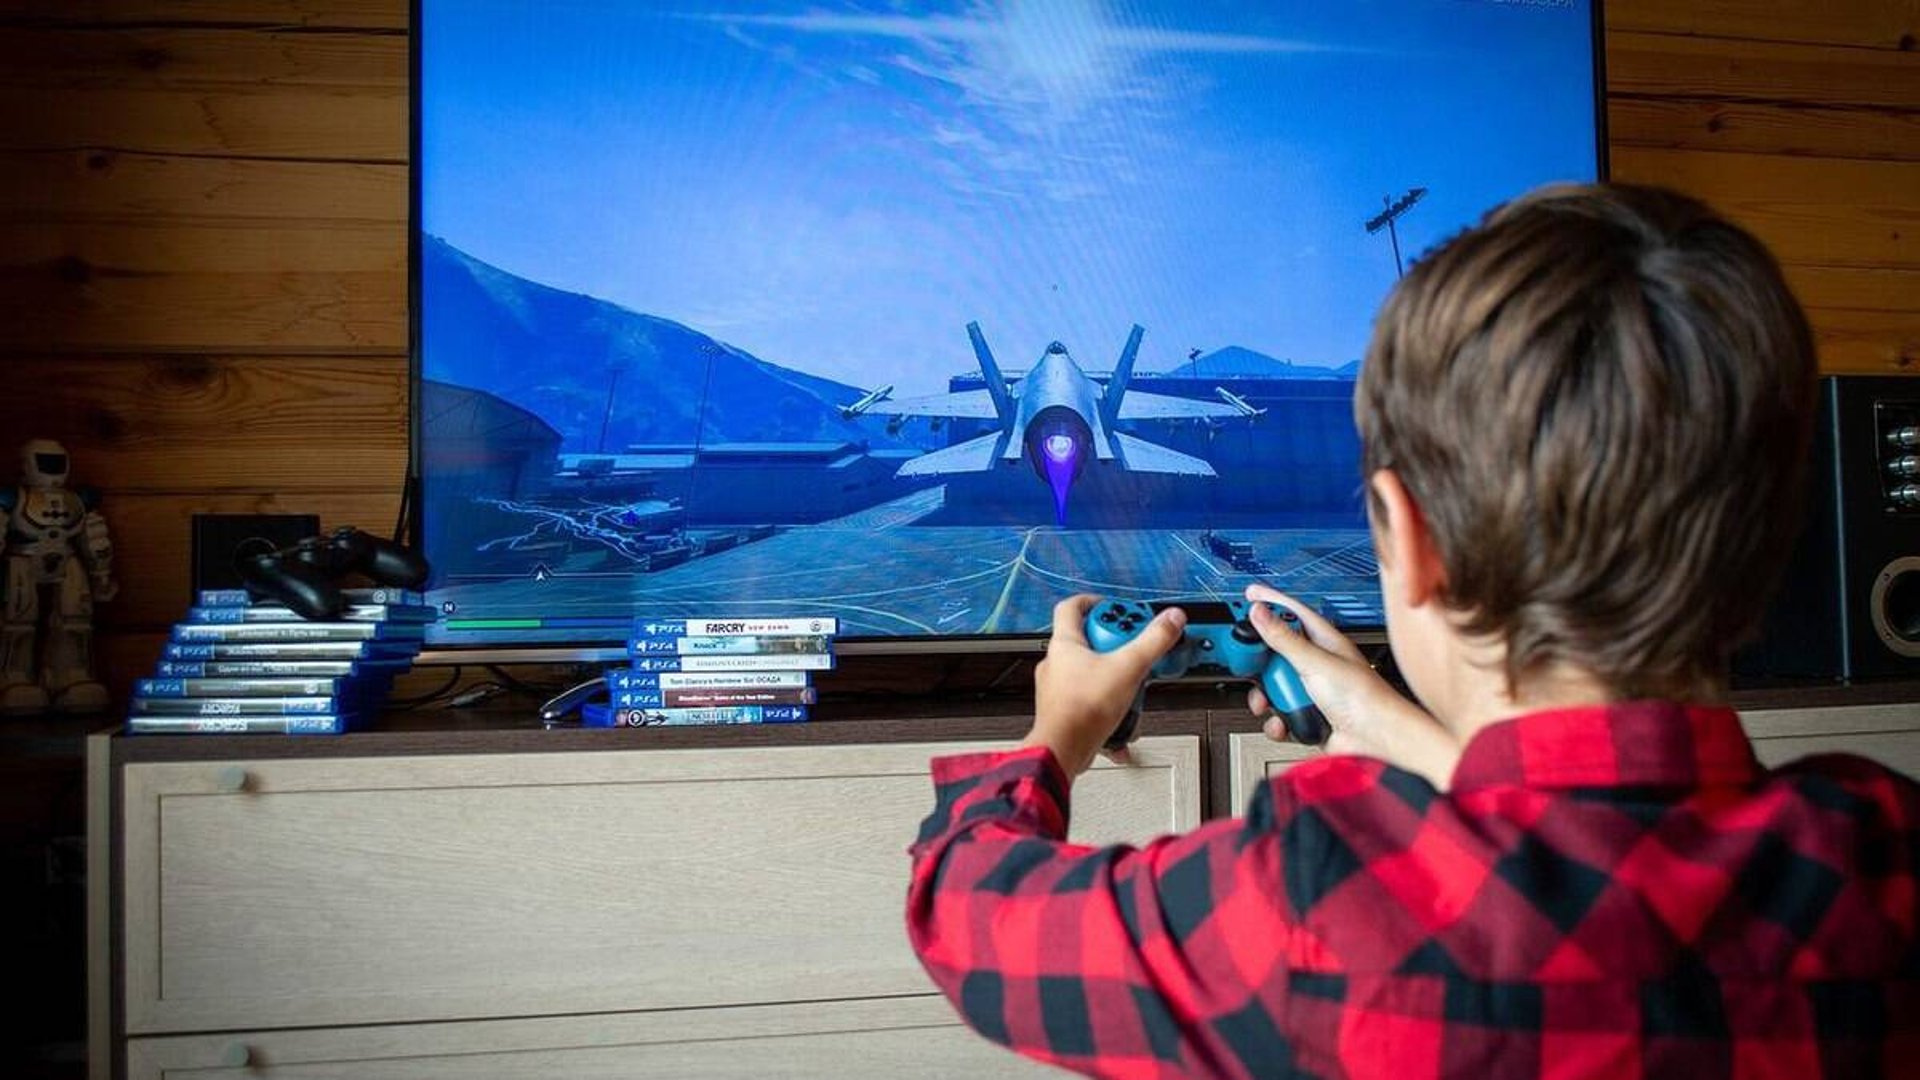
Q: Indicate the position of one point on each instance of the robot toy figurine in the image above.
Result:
(55, 562)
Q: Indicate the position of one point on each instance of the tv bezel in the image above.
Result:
(561, 652)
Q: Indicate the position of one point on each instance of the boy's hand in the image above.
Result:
(1080, 696)
(1367, 715)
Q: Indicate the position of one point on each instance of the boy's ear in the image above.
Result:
(1406, 543)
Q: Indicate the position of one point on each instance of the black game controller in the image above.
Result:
(304, 576)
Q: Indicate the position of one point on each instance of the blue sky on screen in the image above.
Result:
(841, 188)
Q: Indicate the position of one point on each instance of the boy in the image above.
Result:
(1583, 425)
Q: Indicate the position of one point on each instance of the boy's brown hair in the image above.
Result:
(1600, 398)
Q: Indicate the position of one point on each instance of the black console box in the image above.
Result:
(220, 541)
(1849, 607)
(306, 576)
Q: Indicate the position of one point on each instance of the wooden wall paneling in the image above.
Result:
(1663, 65)
(1819, 211)
(1865, 321)
(1774, 113)
(208, 92)
(118, 251)
(66, 185)
(89, 291)
(121, 656)
(1757, 104)
(259, 122)
(73, 306)
(177, 55)
(306, 14)
(1879, 24)
(1867, 342)
(213, 285)
(152, 247)
(1794, 130)
(1856, 288)
(179, 424)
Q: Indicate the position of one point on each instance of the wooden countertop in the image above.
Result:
(510, 724)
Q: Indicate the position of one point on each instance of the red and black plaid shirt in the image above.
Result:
(1613, 891)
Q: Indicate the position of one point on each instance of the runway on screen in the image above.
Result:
(884, 574)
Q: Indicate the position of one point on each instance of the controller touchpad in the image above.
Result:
(1202, 612)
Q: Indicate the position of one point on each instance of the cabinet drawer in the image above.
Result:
(325, 892)
(1889, 734)
(917, 1037)
(1252, 758)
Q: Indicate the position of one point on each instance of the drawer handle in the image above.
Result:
(233, 780)
(237, 1056)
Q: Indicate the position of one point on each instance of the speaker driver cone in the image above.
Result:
(1895, 605)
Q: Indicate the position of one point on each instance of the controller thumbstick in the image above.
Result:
(1245, 634)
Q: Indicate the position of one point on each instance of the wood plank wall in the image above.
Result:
(203, 232)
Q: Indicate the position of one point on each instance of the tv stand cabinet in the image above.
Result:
(503, 901)
(521, 903)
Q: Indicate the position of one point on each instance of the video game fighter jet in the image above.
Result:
(1059, 419)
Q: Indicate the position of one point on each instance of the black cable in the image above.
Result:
(473, 695)
(521, 686)
(404, 518)
(445, 688)
(1012, 666)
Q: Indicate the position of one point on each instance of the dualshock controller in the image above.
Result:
(304, 577)
(1219, 637)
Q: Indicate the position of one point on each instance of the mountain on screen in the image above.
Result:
(1236, 362)
(563, 356)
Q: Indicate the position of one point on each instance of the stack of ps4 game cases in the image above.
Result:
(717, 671)
(237, 665)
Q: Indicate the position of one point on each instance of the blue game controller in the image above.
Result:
(1219, 637)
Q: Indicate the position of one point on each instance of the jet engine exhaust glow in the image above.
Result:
(1058, 445)
(1060, 473)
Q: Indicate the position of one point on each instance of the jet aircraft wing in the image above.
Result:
(1141, 456)
(972, 456)
(1139, 406)
(967, 404)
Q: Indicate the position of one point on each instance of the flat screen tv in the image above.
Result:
(925, 316)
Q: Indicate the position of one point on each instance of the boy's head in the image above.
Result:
(1598, 403)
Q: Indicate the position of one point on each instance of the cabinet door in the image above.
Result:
(882, 1040)
(324, 892)
(1252, 758)
(1889, 734)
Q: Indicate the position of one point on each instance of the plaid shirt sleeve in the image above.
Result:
(1112, 961)
(1603, 890)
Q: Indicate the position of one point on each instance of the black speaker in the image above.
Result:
(1850, 605)
(218, 539)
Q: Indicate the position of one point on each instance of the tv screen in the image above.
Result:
(925, 316)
